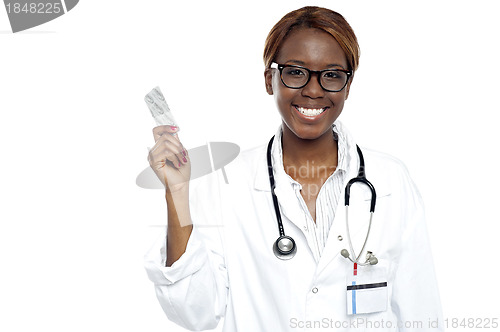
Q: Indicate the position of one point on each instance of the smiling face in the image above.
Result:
(299, 108)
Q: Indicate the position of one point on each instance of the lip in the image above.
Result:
(307, 118)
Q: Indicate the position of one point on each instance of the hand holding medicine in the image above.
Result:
(170, 161)
(168, 158)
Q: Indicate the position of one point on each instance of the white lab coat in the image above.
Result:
(229, 269)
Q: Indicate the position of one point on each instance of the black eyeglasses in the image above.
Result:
(296, 77)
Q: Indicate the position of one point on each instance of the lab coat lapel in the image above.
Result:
(289, 204)
(287, 199)
(261, 182)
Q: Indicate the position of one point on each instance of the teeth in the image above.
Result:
(310, 111)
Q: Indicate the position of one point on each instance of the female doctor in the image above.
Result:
(288, 250)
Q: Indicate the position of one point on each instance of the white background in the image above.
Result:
(74, 133)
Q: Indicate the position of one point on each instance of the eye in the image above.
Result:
(334, 75)
(331, 74)
(295, 72)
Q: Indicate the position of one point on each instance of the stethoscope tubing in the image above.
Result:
(353, 253)
(287, 253)
(361, 178)
(273, 185)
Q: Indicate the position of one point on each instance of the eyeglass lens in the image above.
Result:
(295, 77)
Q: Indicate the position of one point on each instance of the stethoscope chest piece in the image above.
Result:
(284, 248)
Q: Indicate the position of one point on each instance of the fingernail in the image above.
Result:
(184, 152)
(173, 127)
(184, 159)
(179, 164)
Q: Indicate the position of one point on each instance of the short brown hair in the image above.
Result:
(318, 18)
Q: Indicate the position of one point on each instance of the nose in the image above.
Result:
(313, 89)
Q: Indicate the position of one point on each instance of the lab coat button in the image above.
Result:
(314, 290)
(305, 228)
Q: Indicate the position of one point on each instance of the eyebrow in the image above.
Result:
(302, 63)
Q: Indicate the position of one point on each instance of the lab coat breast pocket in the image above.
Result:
(367, 290)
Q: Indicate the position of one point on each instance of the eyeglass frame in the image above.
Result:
(280, 67)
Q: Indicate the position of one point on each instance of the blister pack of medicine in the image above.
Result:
(159, 109)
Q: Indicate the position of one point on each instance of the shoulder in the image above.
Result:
(241, 171)
(252, 155)
(249, 160)
(383, 161)
(387, 172)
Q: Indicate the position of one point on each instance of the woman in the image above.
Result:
(236, 271)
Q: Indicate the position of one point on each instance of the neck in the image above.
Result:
(319, 152)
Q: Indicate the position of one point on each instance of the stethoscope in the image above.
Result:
(285, 248)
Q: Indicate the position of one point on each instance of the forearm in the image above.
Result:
(179, 224)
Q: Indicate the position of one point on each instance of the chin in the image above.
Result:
(308, 132)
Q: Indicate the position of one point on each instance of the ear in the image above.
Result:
(268, 76)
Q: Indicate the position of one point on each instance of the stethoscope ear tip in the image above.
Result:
(370, 258)
(373, 260)
(345, 253)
